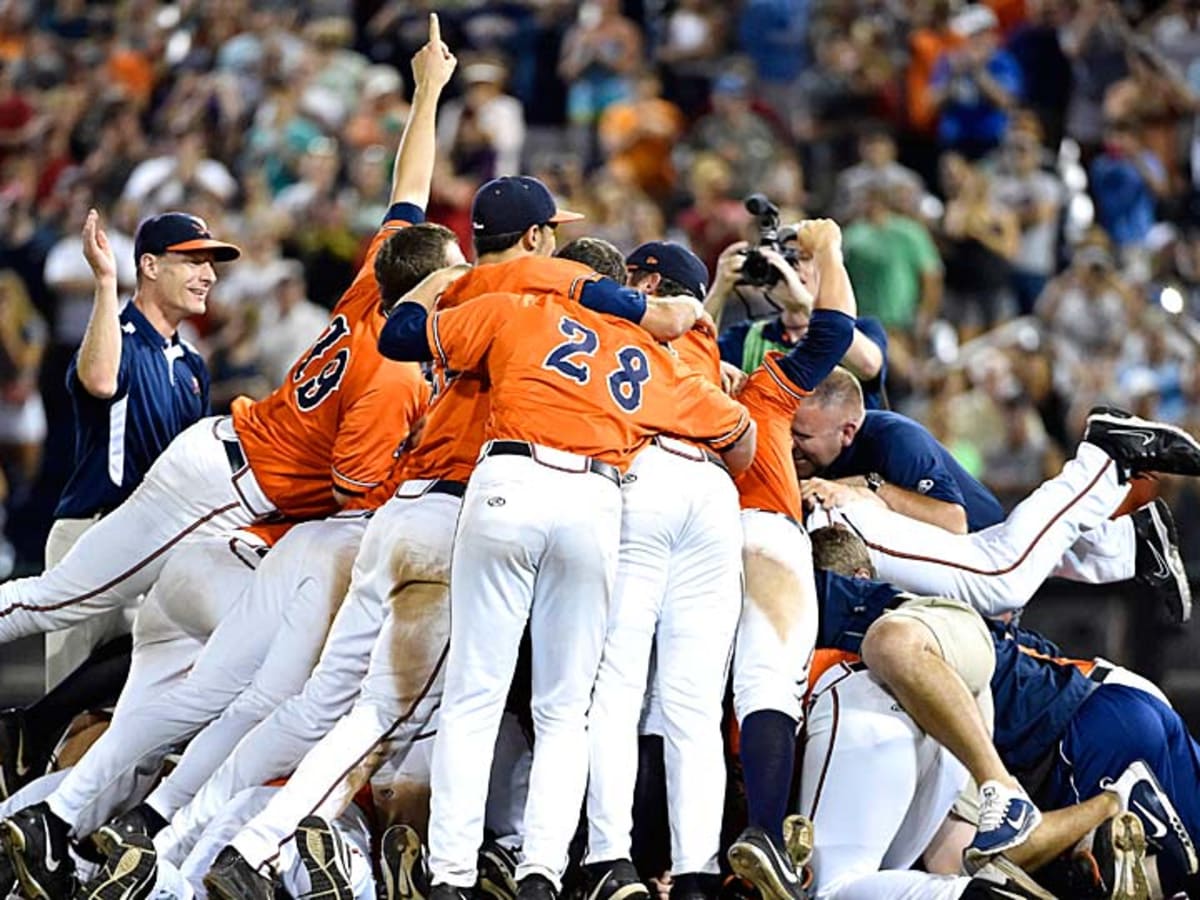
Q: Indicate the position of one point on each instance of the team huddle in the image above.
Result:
(513, 588)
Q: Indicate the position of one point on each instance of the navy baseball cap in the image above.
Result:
(177, 232)
(511, 204)
(671, 260)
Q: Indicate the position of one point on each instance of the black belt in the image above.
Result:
(521, 448)
(1100, 673)
(233, 453)
(453, 488)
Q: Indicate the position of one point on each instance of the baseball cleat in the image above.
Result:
(450, 892)
(109, 836)
(695, 886)
(1140, 445)
(1119, 851)
(536, 887)
(15, 768)
(755, 857)
(798, 839)
(1001, 879)
(1140, 793)
(8, 878)
(233, 878)
(1006, 819)
(36, 841)
(128, 872)
(1159, 567)
(615, 880)
(497, 871)
(325, 859)
(405, 871)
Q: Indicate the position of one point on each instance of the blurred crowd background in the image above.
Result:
(1019, 184)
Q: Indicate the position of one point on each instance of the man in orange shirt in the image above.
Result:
(573, 396)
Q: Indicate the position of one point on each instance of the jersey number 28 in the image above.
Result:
(312, 389)
(624, 383)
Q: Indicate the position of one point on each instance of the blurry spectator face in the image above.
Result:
(954, 172)
(1024, 153)
(819, 434)
(877, 149)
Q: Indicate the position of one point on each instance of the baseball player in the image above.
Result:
(134, 386)
(779, 618)
(896, 485)
(299, 453)
(537, 541)
(677, 591)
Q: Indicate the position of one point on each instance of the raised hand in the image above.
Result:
(433, 64)
(96, 249)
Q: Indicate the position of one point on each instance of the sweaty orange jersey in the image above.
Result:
(340, 413)
(770, 483)
(700, 354)
(453, 431)
(565, 377)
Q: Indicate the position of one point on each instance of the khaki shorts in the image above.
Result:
(961, 635)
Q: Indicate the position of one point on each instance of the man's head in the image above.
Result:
(667, 269)
(836, 548)
(515, 216)
(877, 147)
(826, 423)
(175, 257)
(598, 255)
(410, 254)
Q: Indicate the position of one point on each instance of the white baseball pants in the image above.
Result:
(405, 573)
(877, 789)
(313, 573)
(677, 592)
(777, 631)
(999, 568)
(534, 544)
(189, 492)
(405, 553)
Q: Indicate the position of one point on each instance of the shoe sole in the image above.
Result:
(318, 852)
(1129, 856)
(621, 893)
(112, 889)
(1019, 877)
(497, 880)
(798, 838)
(13, 840)
(107, 840)
(1168, 537)
(397, 873)
(221, 889)
(751, 864)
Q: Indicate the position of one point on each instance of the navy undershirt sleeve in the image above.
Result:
(405, 212)
(606, 296)
(403, 335)
(820, 350)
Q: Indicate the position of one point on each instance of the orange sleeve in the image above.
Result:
(376, 422)
(459, 337)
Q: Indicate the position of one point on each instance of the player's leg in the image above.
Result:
(698, 623)
(774, 644)
(572, 593)
(188, 493)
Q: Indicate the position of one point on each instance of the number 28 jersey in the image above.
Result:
(341, 414)
(572, 379)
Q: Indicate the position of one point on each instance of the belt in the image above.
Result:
(453, 488)
(233, 452)
(522, 448)
(1100, 673)
(702, 453)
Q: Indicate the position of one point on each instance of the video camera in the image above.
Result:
(757, 269)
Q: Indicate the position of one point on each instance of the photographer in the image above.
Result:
(795, 283)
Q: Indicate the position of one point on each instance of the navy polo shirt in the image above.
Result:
(162, 388)
(732, 343)
(908, 456)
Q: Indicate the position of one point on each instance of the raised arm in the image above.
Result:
(412, 173)
(100, 353)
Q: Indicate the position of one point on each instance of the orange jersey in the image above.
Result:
(770, 483)
(700, 354)
(341, 412)
(453, 431)
(565, 377)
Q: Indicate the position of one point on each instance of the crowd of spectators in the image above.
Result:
(1017, 180)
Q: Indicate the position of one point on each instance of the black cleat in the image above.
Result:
(615, 880)
(8, 878)
(1000, 879)
(37, 844)
(450, 892)
(16, 769)
(233, 878)
(1159, 566)
(497, 871)
(1140, 445)
(403, 864)
(536, 887)
(325, 859)
(140, 820)
(128, 873)
(695, 886)
(755, 857)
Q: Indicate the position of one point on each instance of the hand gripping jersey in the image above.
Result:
(342, 411)
(565, 377)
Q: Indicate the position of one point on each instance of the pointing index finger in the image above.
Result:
(435, 29)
